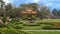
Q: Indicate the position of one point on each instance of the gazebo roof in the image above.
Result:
(29, 10)
(34, 12)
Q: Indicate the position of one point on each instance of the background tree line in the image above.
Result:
(43, 12)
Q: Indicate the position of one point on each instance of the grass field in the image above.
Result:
(45, 20)
(48, 20)
(32, 27)
(39, 27)
(45, 32)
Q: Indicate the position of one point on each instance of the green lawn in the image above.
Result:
(32, 27)
(39, 27)
(45, 32)
(49, 20)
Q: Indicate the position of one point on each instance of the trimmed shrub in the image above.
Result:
(50, 28)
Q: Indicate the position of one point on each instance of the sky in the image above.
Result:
(50, 3)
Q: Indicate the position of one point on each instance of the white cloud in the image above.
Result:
(49, 4)
(8, 1)
(34, 1)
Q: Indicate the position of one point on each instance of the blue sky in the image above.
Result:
(50, 3)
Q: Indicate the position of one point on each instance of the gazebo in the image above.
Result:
(29, 12)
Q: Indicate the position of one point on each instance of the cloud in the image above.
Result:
(34, 1)
(8, 1)
(49, 3)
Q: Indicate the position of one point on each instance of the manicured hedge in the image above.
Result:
(50, 28)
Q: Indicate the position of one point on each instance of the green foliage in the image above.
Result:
(12, 31)
(15, 23)
(14, 20)
(3, 26)
(18, 27)
(33, 17)
(24, 17)
(33, 5)
(4, 19)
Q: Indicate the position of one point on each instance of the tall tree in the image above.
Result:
(33, 5)
(22, 6)
(58, 13)
(43, 11)
(2, 6)
(17, 12)
(54, 12)
(9, 10)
